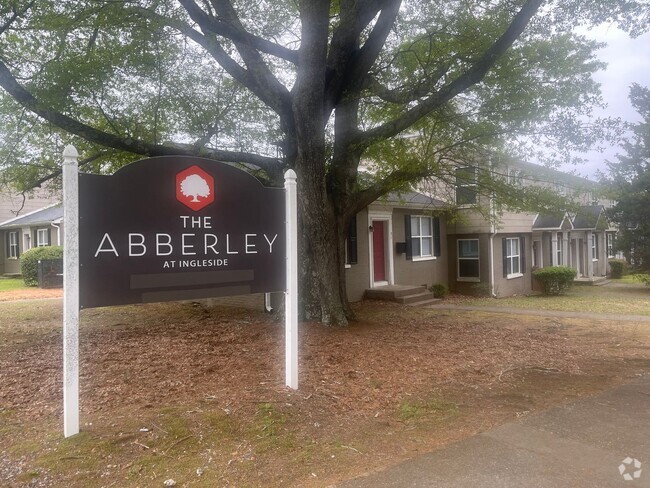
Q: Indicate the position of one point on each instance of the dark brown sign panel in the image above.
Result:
(178, 228)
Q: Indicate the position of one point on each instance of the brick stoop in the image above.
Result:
(406, 295)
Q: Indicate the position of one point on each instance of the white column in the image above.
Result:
(70, 292)
(291, 295)
(590, 261)
(554, 245)
(565, 249)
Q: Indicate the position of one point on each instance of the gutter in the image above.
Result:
(58, 231)
(492, 235)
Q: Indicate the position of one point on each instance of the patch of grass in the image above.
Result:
(8, 284)
(633, 279)
(625, 300)
(414, 410)
(268, 430)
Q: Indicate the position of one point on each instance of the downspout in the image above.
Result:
(58, 232)
(493, 230)
(492, 235)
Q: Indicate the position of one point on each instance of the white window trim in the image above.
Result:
(476, 279)
(594, 248)
(609, 243)
(40, 243)
(427, 257)
(14, 245)
(518, 274)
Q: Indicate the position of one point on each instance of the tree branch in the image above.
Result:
(347, 62)
(474, 74)
(68, 124)
(259, 78)
(399, 176)
(16, 15)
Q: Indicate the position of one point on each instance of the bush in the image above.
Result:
(439, 290)
(555, 280)
(29, 261)
(617, 268)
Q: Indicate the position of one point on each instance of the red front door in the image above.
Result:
(378, 255)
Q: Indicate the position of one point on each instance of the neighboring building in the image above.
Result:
(26, 222)
(498, 258)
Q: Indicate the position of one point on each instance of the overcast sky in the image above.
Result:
(628, 61)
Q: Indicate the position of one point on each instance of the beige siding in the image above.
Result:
(11, 203)
(516, 222)
(470, 222)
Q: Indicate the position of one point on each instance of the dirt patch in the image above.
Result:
(196, 394)
(30, 294)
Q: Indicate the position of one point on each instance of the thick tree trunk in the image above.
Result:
(322, 254)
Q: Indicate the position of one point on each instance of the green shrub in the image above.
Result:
(617, 268)
(439, 290)
(29, 261)
(555, 280)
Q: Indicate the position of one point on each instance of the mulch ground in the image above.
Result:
(373, 387)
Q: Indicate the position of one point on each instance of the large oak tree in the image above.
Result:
(319, 86)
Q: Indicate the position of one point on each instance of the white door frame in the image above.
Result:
(387, 217)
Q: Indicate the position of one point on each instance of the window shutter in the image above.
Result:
(34, 238)
(407, 235)
(504, 250)
(19, 239)
(7, 250)
(352, 241)
(522, 253)
(436, 236)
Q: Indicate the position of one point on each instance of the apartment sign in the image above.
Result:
(178, 228)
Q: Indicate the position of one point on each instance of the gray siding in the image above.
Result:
(357, 276)
(413, 272)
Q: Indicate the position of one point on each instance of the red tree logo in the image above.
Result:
(194, 188)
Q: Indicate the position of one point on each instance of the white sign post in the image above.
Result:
(70, 292)
(291, 295)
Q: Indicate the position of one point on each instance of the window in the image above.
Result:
(512, 257)
(610, 245)
(594, 247)
(559, 249)
(468, 259)
(466, 186)
(42, 237)
(422, 237)
(12, 248)
(515, 177)
(351, 244)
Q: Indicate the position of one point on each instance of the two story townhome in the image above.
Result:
(497, 255)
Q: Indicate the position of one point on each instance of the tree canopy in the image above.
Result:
(629, 183)
(318, 86)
